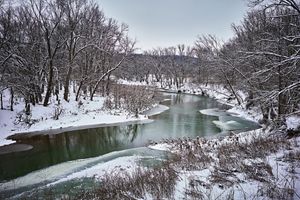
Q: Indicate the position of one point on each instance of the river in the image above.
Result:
(58, 156)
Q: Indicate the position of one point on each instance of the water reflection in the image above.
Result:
(182, 119)
(52, 149)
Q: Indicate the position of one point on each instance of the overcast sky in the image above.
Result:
(163, 23)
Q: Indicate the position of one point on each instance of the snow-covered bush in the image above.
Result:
(57, 112)
(80, 103)
(157, 183)
(133, 99)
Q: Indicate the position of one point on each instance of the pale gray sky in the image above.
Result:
(165, 23)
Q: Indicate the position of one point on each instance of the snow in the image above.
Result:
(185, 177)
(121, 163)
(74, 114)
(293, 122)
(251, 115)
(212, 112)
(228, 125)
(72, 169)
(47, 174)
(91, 113)
(6, 125)
(129, 82)
(285, 174)
(161, 147)
(156, 110)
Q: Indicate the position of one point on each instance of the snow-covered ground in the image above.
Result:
(281, 164)
(94, 114)
(74, 114)
(276, 170)
(156, 110)
(70, 170)
(221, 94)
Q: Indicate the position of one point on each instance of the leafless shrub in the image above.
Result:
(57, 112)
(195, 189)
(262, 146)
(224, 178)
(229, 157)
(156, 182)
(292, 156)
(191, 158)
(23, 118)
(259, 171)
(80, 103)
(190, 154)
(133, 99)
(277, 191)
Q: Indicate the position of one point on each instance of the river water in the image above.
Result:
(56, 156)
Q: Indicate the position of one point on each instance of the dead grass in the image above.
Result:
(233, 161)
(158, 183)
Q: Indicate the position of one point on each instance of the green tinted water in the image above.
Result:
(182, 119)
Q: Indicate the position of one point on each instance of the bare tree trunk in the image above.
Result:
(74, 86)
(78, 91)
(32, 99)
(281, 98)
(67, 83)
(231, 88)
(107, 85)
(11, 99)
(1, 101)
(27, 107)
(49, 84)
(93, 91)
(51, 71)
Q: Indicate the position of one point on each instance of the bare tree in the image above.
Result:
(48, 14)
(294, 4)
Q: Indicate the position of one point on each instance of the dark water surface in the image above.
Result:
(182, 119)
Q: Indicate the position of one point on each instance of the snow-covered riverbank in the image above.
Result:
(221, 94)
(275, 172)
(256, 164)
(73, 115)
(216, 167)
(249, 165)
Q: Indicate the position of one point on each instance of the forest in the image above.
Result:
(47, 46)
(82, 107)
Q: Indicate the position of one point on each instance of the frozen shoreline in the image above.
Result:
(251, 186)
(243, 138)
(75, 116)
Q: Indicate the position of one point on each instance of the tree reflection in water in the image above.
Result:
(52, 149)
(182, 119)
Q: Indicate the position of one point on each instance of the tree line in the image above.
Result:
(46, 44)
(168, 67)
(261, 59)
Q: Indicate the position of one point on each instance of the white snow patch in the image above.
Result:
(251, 115)
(212, 112)
(161, 147)
(293, 122)
(228, 126)
(59, 171)
(74, 114)
(156, 110)
(121, 163)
